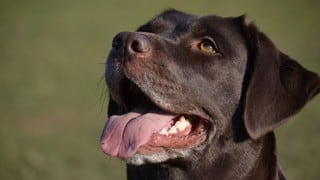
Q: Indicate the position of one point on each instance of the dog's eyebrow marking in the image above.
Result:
(180, 29)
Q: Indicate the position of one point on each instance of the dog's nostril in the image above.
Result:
(136, 46)
(140, 45)
(132, 42)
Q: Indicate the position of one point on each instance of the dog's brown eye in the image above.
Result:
(208, 46)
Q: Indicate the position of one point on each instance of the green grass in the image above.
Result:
(52, 106)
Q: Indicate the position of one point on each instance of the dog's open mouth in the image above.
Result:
(147, 129)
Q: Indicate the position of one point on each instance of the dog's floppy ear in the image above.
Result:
(278, 86)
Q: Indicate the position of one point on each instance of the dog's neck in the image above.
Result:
(254, 160)
(267, 166)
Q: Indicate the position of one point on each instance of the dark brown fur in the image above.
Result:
(247, 90)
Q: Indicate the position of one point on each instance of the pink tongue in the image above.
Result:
(123, 135)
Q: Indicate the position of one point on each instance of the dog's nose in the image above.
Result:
(138, 43)
(132, 42)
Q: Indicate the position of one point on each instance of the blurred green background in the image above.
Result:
(53, 98)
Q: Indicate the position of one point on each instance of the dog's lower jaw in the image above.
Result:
(166, 155)
(261, 165)
(169, 154)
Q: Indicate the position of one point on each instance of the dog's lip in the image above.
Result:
(120, 99)
(166, 106)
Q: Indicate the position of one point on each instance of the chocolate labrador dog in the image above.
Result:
(199, 97)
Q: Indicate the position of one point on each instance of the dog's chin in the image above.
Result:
(164, 156)
(139, 159)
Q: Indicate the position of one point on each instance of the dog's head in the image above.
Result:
(181, 82)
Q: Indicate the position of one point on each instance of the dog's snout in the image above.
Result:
(132, 42)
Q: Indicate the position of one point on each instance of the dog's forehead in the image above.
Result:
(170, 24)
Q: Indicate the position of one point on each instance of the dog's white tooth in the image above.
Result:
(180, 125)
(188, 123)
(172, 130)
(164, 131)
(182, 119)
